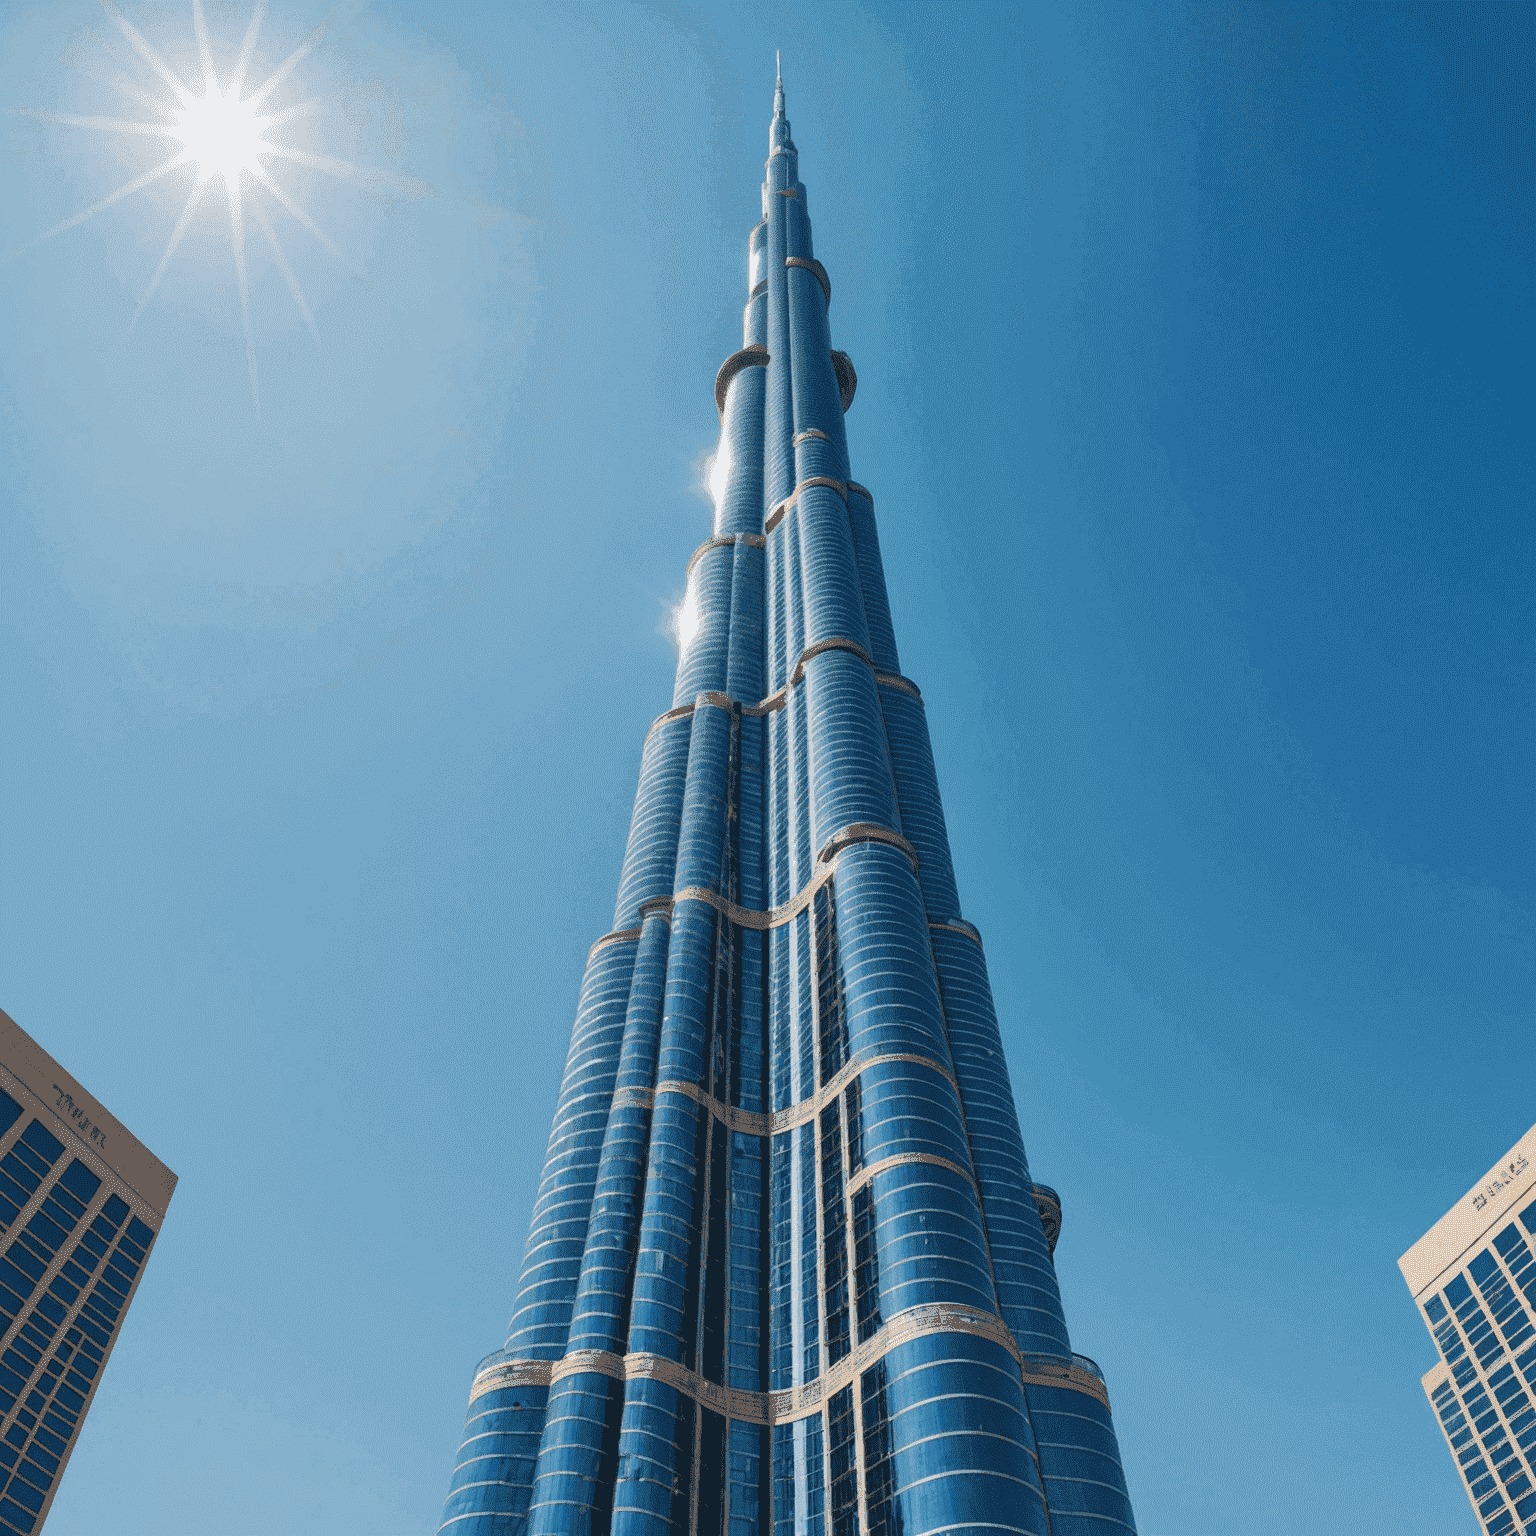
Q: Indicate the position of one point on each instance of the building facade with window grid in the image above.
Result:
(1473, 1275)
(81, 1202)
(788, 1271)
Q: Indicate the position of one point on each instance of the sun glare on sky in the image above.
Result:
(685, 619)
(223, 135)
(719, 472)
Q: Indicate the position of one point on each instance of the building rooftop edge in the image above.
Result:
(80, 1112)
(1493, 1200)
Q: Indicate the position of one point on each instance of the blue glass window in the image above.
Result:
(43, 1142)
(80, 1181)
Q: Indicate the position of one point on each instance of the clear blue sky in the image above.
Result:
(1194, 349)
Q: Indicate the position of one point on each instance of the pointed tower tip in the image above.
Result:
(778, 84)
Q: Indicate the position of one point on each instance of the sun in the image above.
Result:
(224, 136)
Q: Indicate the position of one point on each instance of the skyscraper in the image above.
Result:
(1474, 1277)
(80, 1204)
(788, 1271)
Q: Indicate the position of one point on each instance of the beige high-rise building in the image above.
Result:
(81, 1202)
(1473, 1276)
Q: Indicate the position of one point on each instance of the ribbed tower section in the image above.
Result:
(788, 1272)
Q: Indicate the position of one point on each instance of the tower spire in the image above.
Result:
(778, 85)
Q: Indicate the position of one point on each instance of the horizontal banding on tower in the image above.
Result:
(1075, 1372)
(959, 925)
(751, 917)
(817, 271)
(753, 1122)
(720, 541)
(864, 832)
(776, 516)
(776, 700)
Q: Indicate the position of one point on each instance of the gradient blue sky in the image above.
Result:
(1194, 349)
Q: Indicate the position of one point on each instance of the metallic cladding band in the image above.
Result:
(717, 701)
(816, 270)
(777, 699)
(842, 487)
(865, 832)
(896, 680)
(957, 925)
(621, 936)
(807, 435)
(773, 519)
(751, 1122)
(803, 1401)
(755, 356)
(719, 541)
(858, 1180)
(745, 917)
(776, 917)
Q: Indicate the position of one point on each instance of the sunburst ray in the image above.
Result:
(247, 48)
(260, 215)
(105, 124)
(287, 67)
(194, 197)
(344, 170)
(237, 244)
(311, 108)
(141, 46)
(181, 157)
(145, 98)
(265, 177)
(204, 47)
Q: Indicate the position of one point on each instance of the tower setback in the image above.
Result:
(788, 1272)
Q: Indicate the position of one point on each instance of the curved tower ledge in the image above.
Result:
(755, 356)
(847, 379)
(1048, 1203)
(820, 273)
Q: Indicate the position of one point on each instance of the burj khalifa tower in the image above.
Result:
(788, 1273)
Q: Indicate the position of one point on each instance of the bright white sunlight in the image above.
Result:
(221, 133)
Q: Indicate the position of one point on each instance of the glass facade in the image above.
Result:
(1480, 1308)
(788, 1272)
(74, 1237)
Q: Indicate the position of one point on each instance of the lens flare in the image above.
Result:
(685, 620)
(222, 133)
(719, 473)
